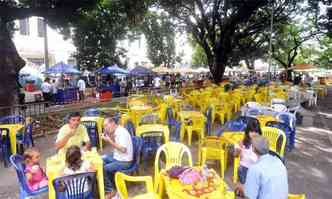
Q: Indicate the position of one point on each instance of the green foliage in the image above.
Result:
(160, 35)
(199, 58)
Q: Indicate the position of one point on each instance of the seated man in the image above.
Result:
(267, 178)
(120, 140)
(72, 133)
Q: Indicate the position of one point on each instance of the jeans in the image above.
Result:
(242, 173)
(111, 166)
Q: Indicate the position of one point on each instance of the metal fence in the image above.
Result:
(25, 110)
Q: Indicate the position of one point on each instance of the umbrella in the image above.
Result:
(115, 69)
(141, 71)
(62, 68)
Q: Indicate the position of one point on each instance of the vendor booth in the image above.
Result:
(67, 92)
(109, 81)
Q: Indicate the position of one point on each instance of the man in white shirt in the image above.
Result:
(121, 142)
(46, 89)
(81, 88)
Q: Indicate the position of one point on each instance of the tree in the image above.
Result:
(199, 58)
(58, 12)
(287, 43)
(97, 34)
(219, 25)
(160, 35)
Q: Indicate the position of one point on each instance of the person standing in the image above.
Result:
(122, 157)
(46, 89)
(81, 88)
(267, 178)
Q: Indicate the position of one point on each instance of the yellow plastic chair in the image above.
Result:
(120, 183)
(174, 153)
(153, 128)
(296, 196)
(273, 134)
(211, 148)
(197, 126)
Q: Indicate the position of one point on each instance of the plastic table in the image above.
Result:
(13, 129)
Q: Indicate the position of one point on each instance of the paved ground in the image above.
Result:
(309, 164)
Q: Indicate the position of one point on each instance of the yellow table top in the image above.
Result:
(56, 164)
(176, 190)
(233, 137)
(263, 119)
(140, 108)
(187, 114)
(13, 128)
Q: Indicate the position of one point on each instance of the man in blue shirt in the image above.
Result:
(267, 178)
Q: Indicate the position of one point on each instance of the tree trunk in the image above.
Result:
(217, 68)
(10, 64)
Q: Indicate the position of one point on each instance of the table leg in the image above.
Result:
(12, 138)
(100, 181)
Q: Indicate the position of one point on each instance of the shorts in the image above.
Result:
(242, 173)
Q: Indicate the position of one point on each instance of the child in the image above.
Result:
(246, 152)
(34, 173)
(74, 162)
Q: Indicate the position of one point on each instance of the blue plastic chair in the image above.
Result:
(253, 112)
(25, 140)
(285, 128)
(92, 129)
(238, 124)
(290, 120)
(5, 146)
(77, 186)
(137, 146)
(130, 127)
(174, 126)
(18, 163)
(12, 119)
(92, 112)
(151, 142)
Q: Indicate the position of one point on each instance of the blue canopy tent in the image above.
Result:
(62, 68)
(141, 71)
(115, 69)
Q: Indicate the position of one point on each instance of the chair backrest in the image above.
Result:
(92, 128)
(174, 153)
(92, 112)
(18, 163)
(253, 112)
(12, 119)
(279, 108)
(120, 182)
(273, 135)
(130, 127)
(27, 137)
(150, 118)
(77, 186)
(137, 147)
(197, 122)
(287, 118)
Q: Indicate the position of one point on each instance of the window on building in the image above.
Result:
(41, 28)
(24, 26)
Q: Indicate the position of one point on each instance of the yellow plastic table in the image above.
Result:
(56, 164)
(100, 124)
(13, 129)
(136, 113)
(176, 190)
(153, 128)
(263, 119)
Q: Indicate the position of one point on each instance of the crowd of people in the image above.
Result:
(262, 175)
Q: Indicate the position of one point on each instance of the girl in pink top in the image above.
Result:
(247, 155)
(35, 175)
